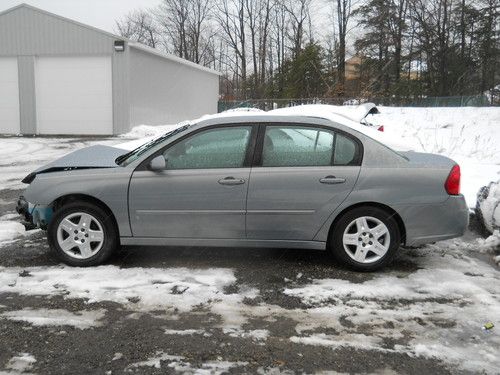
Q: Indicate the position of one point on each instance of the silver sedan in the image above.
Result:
(248, 180)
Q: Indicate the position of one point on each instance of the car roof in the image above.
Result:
(308, 117)
(257, 117)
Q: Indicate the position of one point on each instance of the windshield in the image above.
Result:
(131, 156)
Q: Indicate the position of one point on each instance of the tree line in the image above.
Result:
(330, 48)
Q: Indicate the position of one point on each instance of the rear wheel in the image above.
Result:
(82, 234)
(365, 238)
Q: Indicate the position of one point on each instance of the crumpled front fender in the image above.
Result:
(35, 215)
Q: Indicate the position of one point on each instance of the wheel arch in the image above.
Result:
(78, 197)
(388, 209)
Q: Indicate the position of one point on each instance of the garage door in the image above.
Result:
(74, 95)
(9, 96)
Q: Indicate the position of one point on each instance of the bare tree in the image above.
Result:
(140, 26)
(199, 33)
(230, 15)
(186, 26)
(258, 13)
(397, 25)
(172, 15)
(298, 11)
(344, 9)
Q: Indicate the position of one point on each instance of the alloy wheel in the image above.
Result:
(80, 235)
(366, 239)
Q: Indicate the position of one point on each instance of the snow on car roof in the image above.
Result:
(354, 113)
(349, 116)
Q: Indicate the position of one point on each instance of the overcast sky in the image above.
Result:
(97, 13)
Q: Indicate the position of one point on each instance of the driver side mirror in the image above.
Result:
(158, 164)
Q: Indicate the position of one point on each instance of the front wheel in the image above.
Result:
(82, 234)
(365, 238)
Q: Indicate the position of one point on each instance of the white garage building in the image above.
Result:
(58, 76)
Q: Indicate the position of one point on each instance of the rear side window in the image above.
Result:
(345, 150)
(296, 146)
(215, 148)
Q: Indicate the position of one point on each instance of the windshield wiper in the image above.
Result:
(121, 158)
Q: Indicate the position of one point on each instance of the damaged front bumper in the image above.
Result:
(34, 215)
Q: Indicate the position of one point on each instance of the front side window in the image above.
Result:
(214, 148)
(296, 146)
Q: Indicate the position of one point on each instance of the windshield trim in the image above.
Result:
(123, 160)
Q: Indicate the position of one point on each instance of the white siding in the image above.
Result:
(74, 95)
(166, 92)
(9, 96)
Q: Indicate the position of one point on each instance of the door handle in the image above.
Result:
(231, 181)
(332, 180)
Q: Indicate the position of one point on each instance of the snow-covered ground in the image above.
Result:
(435, 312)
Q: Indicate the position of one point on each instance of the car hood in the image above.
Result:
(90, 157)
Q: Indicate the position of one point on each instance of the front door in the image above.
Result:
(303, 175)
(201, 194)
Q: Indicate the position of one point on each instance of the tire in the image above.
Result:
(364, 249)
(82, 222)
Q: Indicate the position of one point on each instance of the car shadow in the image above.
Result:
(282, 262)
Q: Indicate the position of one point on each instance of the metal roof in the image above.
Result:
(131, 43)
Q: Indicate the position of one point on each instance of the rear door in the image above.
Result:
(202, 193)
(302, 174)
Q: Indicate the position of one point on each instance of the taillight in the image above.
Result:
(381, 128)
(452, 184)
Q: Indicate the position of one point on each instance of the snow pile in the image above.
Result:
(488, 206)
(255, 334)
(20, 363)
(142, 288)
(57, 317)
(181, 365)
(186, 332)
(491, 245)
(156, 360)
(358, 341)
(11, 229)
(488, 211)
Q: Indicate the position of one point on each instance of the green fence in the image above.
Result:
(444, 101)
